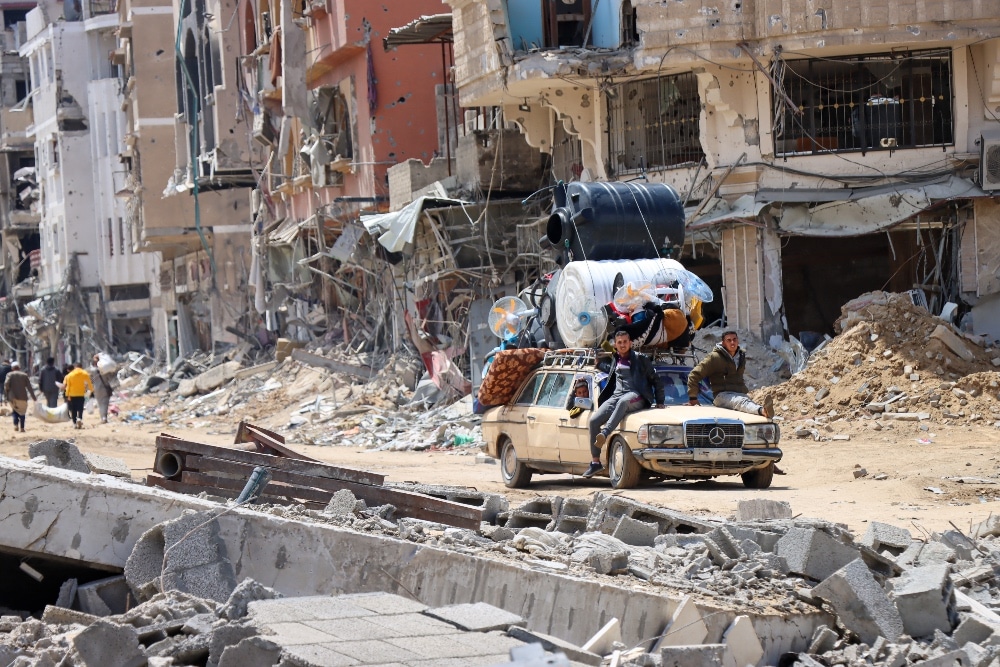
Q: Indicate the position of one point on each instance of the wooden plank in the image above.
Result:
(310, 359)
(407, 503)
(172, 443)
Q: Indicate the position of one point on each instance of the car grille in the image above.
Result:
(711, 433)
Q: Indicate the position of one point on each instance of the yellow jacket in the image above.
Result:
(76, 382)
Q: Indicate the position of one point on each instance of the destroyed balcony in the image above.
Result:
(23, 219)
(14, 124)
(523, 166)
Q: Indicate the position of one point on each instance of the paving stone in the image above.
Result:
(413, 625)
(743, 642)
(353, 628)
(860, 603)
(290, 634)
(437, 646)
(384, 603)
(813, 553)
(925, 599)
(477, 617)
(376, 651)
(318, 655)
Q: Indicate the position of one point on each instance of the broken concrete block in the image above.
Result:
(823, 640)
(636, 533)
(925, 600)
(226, 635)
(193, 557)
(743, 642)
(696, 656)
(603, 642)
(67, 593)
(477, 617)
(861, 604)
(761, 509)
(105, 644)
(104, 597)
(59, 454)
(920, 553)
(952, 342)
(813, 553)
(246, 591)
(881, 536)
(107, 465)
(217, 376)
(342, 503)
(686, 627)
(187, 387)
(251, 652)
(975, 629)
(62, 616)
(988, 528)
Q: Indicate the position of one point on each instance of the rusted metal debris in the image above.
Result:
(190, 467)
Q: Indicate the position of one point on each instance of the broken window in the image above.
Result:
(537, 24)
(653, 123)
(874, 102)
(328, 151)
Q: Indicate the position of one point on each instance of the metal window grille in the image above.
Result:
(654, 123)
(874, 102)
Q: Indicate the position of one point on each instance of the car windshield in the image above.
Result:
(675, 387)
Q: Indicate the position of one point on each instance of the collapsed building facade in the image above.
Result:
(818, 159)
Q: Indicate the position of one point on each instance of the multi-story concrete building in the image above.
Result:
(823, 148)
(94, 291)
(188, 163)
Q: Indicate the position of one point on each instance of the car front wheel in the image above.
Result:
(623, 469)
(515, 474)
(759, 478)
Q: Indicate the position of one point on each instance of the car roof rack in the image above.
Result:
(687, 356)
(573, 357)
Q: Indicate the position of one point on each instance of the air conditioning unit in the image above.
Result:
(989, 161)
(263, 131)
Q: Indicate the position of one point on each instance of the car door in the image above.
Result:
(515, 415)
(547, 415)
(574, 432)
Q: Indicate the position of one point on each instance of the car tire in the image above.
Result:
(759, 478)
(515, 474)
(624, 471)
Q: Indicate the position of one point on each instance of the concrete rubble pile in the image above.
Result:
(326, 396)
(886, 598)
(893, 362)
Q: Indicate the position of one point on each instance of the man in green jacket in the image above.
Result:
(724, 367)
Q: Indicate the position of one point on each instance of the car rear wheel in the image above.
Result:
(759, 478)
(515, 474)
(623, 469)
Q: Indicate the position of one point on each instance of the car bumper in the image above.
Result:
(690, 461)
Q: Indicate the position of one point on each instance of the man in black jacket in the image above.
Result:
(632, 385)
(4, 370)
(48, 381)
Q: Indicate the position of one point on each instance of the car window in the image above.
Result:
(675, 387)
(527, 395)
(555, 390)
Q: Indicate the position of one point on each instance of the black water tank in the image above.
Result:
(596, 221)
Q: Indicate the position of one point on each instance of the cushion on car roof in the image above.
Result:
(507, 372)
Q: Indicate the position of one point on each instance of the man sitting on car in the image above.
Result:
(632, 385)
(724, 367)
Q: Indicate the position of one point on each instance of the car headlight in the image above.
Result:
(761, 434)
(657, 434)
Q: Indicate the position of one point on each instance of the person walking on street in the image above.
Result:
(17, 387)
(632, 385)
(724, 367)
(102, 389)
(77, 382)
(4, 369)
(48, 382)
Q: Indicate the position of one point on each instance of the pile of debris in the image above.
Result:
(894, 361)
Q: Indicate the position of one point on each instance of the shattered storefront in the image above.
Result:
(817, 249)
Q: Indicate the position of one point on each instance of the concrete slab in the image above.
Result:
(686, 627)
(476, 617)
(861, 604)
(743, 643)
(697, 656)
(601, 643)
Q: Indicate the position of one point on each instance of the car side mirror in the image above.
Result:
(585, 403)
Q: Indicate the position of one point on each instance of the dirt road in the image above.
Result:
(820, 479)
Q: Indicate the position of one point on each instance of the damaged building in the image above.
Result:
(821, 149)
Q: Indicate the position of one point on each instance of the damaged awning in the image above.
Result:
(434, 29)
(838, 212)
(394, 230)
